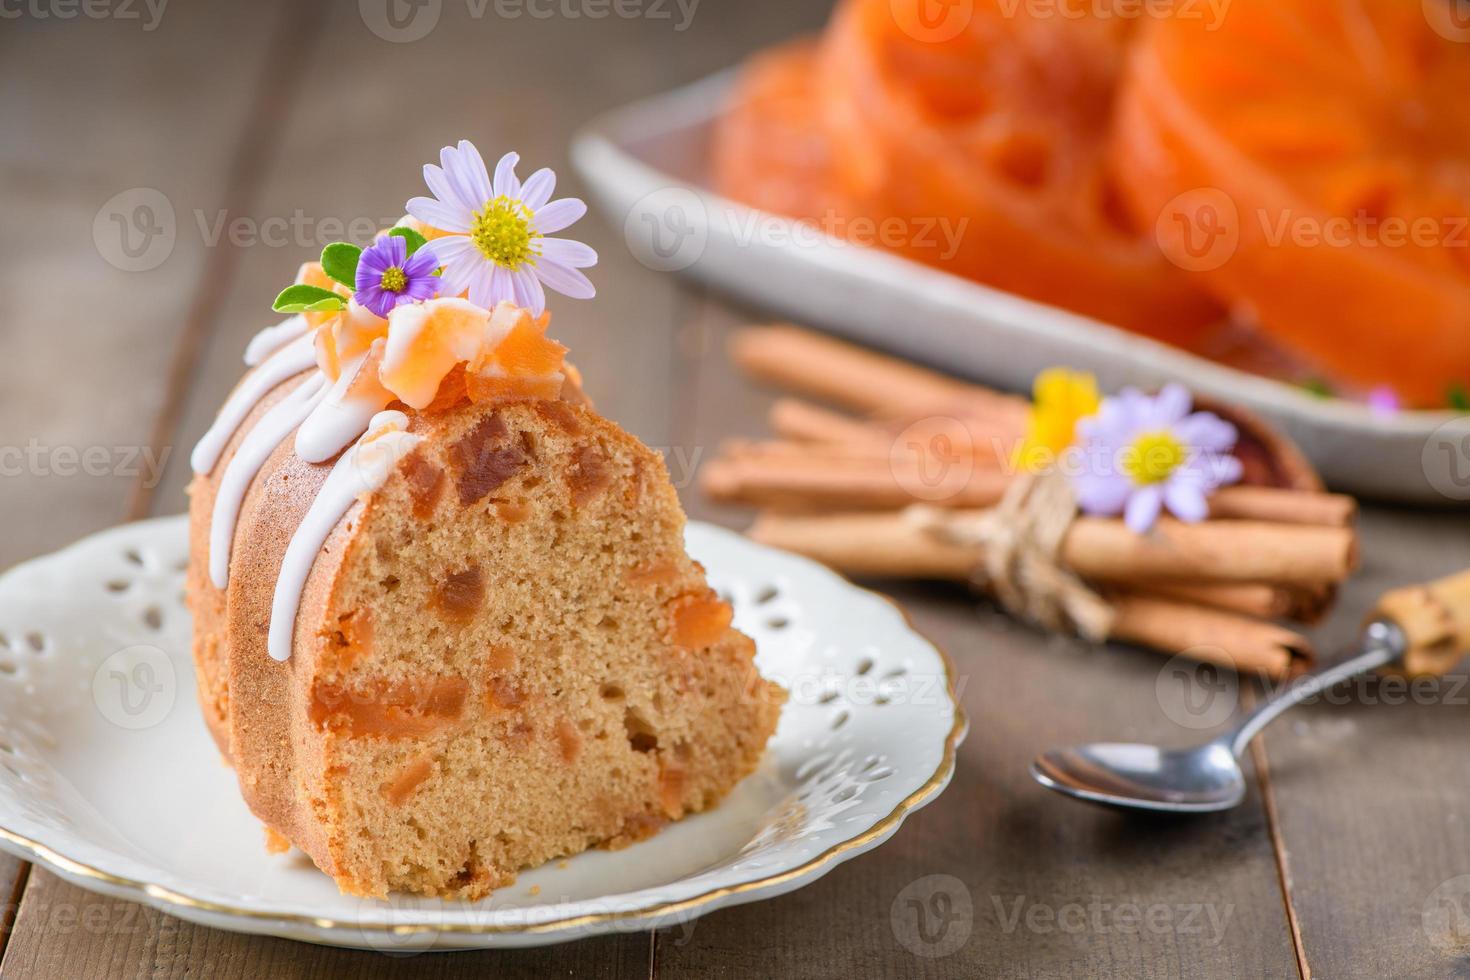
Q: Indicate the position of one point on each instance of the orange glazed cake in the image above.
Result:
(444, 624)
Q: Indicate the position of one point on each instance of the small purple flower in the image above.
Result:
(1141, 455)
(387, 276)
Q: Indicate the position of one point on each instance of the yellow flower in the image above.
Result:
(1060, 398)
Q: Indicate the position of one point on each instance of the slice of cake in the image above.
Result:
(444, 624)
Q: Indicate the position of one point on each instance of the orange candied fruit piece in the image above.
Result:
(400, 710)
(698, 621)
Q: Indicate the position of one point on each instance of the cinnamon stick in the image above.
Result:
(802, 421)
(853, 377)
(882, 547)
(860, 478)
(1236, 642)
(1098, 549)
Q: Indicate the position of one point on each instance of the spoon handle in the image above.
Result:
(1383, 643)
(1435, 618)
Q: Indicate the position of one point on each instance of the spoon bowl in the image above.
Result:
(1195, 780)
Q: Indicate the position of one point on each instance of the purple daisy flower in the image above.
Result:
(496, 247)
(1141, 455)
(388, 276)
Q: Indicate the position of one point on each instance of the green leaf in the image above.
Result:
(1458, 397)
(414, 239)
(307, 299)
(339, 260)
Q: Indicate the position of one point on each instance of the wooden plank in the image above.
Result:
(92, 309)
(1374, 820)
(94, 301)
(1054, 889)
(87, 935)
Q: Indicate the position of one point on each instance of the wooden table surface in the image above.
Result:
(161, 176)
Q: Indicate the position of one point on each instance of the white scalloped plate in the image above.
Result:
(108, 777)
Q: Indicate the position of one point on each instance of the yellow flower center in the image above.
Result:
(394, 280)
(1153, 457)
(503, 233)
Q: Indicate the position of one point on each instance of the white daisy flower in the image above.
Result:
(496, 247)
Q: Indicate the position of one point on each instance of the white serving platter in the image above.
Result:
(645, 164)
(109, 778)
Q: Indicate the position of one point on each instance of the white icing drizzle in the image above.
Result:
(272, 429)
(295, 357)
(342, 415)
(273, 338)
(362, 469)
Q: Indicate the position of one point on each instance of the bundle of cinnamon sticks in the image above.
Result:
(836, 485)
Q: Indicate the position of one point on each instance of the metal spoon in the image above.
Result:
(1208, 777)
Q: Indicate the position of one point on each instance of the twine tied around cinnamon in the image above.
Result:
(1017, 543)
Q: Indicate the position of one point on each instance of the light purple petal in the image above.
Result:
(564, 251)
(501, 287)
(567, 281)
(559, 214)
(529, 293)
(1207, 431)
(506, 183)
(1143, 508)
(1101, 495)
(465, 172)
(536, 191)
(450, 248)
(472, 171)
(1171, 405)
(481, 286)
(439, 215)
(1136, 410)
(457, 276)
(1186, 501)
(442, 186)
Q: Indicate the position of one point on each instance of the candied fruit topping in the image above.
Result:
(568, 741)
(460, 594)
(486, 457)
(402, 709)
(698, 621)
(400, 787)
(589, 475)
(425, 484)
